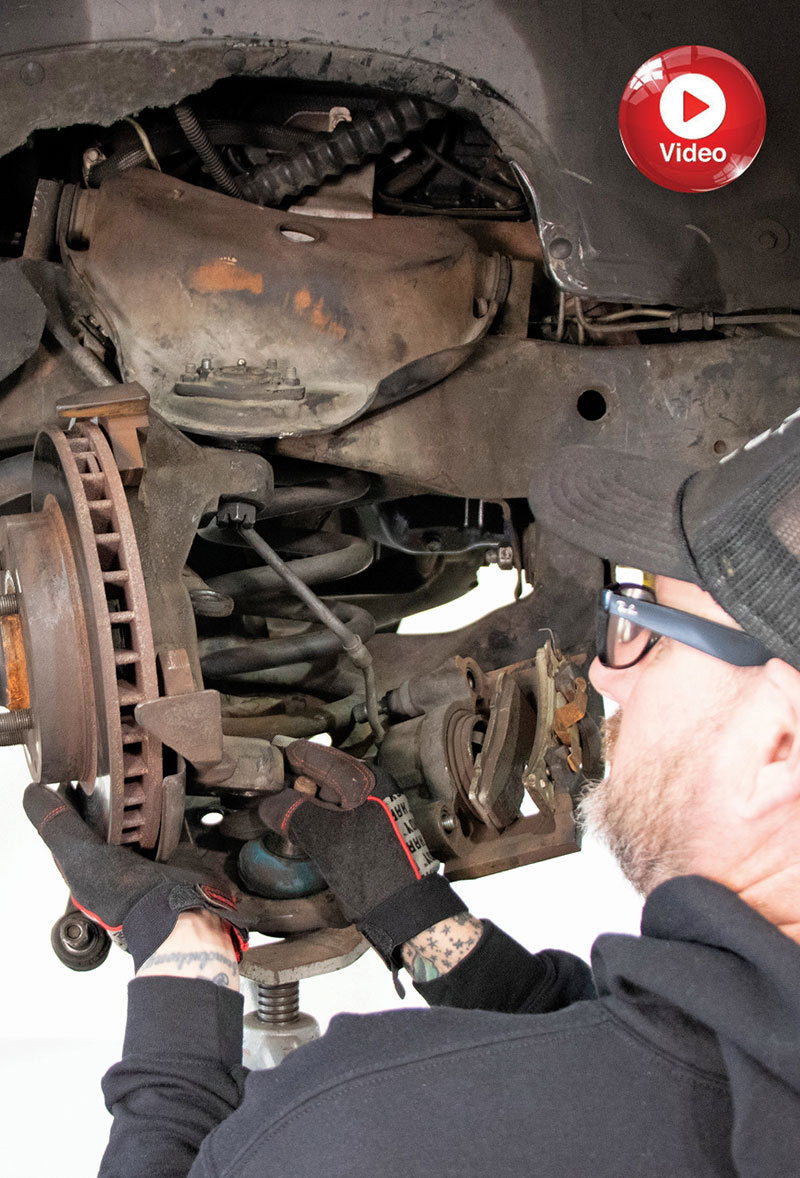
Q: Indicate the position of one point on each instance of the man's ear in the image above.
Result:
(777, 777)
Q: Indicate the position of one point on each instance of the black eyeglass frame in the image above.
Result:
(713, 638)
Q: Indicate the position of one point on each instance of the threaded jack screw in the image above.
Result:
(279, 1005)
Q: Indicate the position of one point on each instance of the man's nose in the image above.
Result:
(615, 684)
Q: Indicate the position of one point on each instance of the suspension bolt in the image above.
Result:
(77, 935)
(236, 513)
(448, 822)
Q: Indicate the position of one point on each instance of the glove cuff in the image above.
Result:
(152, 919)
(416, 907)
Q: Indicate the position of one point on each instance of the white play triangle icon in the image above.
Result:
(692, 106)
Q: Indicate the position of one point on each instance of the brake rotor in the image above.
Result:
(86, 637)
(464, 734)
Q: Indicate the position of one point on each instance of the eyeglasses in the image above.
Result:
(630, 622)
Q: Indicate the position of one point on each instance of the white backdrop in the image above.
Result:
(59, 1031)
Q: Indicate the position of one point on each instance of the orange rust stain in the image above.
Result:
(318, 316)
(222, 275)
(320, 319)
(324, 322)
(17, 690)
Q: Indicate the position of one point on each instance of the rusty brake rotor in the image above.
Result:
(86, 655)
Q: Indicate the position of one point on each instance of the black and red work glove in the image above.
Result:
(136, 900)
(353, 821)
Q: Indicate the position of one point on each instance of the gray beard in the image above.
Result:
(645, 817)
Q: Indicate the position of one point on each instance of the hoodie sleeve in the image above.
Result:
(179, 1076)
(499, 974)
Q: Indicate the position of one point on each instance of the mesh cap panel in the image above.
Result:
(748, 557)
(733, 528)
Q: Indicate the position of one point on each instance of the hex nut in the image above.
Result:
(236, 513)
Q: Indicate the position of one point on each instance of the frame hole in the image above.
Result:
(299, 236)
(592, 405)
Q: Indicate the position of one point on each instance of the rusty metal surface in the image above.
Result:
(529, 840)
(570, 713)
(16, 687)
(516, 401)
(190, 723)
(505, 62)
(173, 799)
(457, 680)
(467, 805)
(123, 415)
(183, 483)
(28, 398)
(357, 308)
(22, 318)
(40, 238)
(124, 798)
(53, 667)
(465, 768)
(249, 766)
(566, 581)
(175, 670)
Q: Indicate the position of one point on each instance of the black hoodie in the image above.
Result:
(678, 1055)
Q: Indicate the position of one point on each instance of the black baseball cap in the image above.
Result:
(732, 529)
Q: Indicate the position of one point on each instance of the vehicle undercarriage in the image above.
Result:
(289, 323)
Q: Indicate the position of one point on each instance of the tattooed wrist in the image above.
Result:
(211, 965)
(198, 947)
(437, 950)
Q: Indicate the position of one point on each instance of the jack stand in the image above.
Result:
(278, 1025)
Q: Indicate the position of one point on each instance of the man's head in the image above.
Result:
(704, 754)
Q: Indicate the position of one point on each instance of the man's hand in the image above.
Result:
(358, 827)
(123, 891)
(198, 947)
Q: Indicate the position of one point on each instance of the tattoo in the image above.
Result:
(200, 958)
(201, 963)
(439, 949)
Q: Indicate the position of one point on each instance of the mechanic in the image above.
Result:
(678, 1053)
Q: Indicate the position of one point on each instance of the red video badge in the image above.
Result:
(692, 119)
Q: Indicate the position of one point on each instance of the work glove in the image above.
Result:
(136, 900)
(354, 822)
